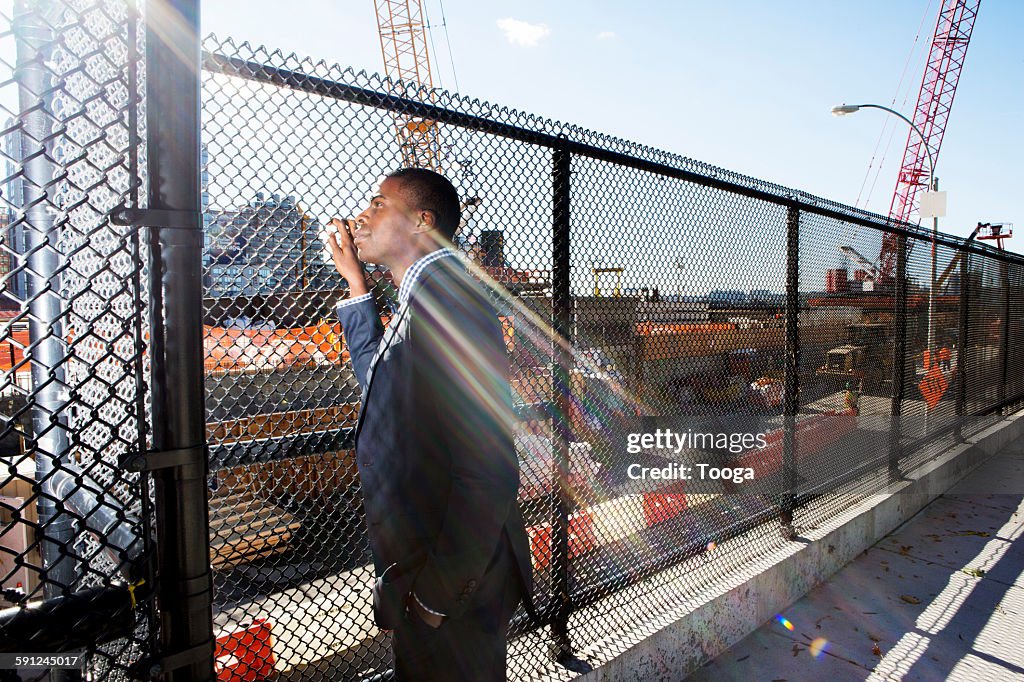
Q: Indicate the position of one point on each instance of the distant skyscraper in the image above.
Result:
(204, 193)
(6, 259)
(267, 246)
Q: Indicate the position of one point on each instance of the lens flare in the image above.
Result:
(784, 622)
(818, 646)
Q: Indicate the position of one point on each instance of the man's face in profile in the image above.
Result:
(384, 230)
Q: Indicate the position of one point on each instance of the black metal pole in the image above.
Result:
(562, 313)
(961, 345)
(792, 370)
(1004, 267)
(899, 361)
(185, 590)
(1014, 346)
(77, 621)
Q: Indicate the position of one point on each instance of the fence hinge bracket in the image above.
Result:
(163, 459)
(151, 667)
(157, 217)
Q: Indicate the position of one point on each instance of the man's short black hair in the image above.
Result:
(426, 190)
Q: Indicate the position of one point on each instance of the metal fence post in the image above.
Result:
(35, 42)
(562, 313)
(1004, 268)
(961, 343)
(899, 361)
(792, 370)
(175, 218)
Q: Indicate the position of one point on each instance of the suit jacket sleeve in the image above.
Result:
(461, 373)
(363, 329)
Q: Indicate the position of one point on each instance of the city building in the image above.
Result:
(268, 246)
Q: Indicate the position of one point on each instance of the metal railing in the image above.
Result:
(639, 290)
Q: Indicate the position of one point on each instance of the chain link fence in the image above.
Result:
(641, 294)
(75, 525)
(669, 280)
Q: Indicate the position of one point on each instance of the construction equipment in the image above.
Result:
(992, 231)
(996, 232)
(864, 358)
(934, 101)
(617, 290)
(403, 42)
(871, 272)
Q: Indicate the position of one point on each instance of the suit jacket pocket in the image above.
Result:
(390, 593)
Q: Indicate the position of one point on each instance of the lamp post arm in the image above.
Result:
(931, 159)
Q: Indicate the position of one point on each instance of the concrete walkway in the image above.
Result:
(941, 597)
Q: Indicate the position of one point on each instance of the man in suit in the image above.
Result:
(434, 446)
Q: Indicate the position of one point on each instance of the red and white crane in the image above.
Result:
(934, 102)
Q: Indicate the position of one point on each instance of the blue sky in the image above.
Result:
(745, 85)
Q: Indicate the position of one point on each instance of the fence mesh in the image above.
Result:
(74, 525)
(678, 285)
(700, 302)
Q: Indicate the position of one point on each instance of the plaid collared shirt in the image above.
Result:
(413, 274)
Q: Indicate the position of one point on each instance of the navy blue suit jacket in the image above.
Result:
(434, 447)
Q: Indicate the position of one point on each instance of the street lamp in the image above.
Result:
(843, 110)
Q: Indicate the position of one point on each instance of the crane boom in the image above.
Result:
(934, 101)
(858, 258)
(403, 43)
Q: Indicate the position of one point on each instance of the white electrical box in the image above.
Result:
(933, 205)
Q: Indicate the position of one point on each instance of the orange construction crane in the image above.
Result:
(403, 42)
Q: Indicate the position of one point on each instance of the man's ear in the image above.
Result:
(426, 222)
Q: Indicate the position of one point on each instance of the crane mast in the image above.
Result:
(934, 101)
(403, 43)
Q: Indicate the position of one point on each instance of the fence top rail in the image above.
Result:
(565, 137)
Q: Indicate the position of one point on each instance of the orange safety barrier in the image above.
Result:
(664, 504)
(649, 328)
(581, 538)
(227, 349)
(11, 353)
(245, 655)
(619, 518)
(319, 344)
(610, 521)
